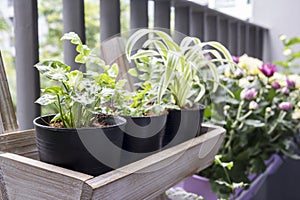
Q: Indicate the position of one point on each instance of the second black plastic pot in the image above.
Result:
(183, 125)
(92, 151)
(142, 136)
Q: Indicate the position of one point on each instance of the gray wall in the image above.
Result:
(281, 17)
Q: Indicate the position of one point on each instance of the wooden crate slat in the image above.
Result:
(26, 178)
(150, 177)
(20, 142)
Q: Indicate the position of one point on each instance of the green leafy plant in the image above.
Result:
(77, 95)
(260, 120)
(176, 70)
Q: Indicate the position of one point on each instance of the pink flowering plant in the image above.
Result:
(261, 119)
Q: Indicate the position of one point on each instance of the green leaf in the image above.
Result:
(53, 90)
(73, 37)
(290, 154)
(113, 71)
(133, 72)
(254, 123)
(79, 59)
(75, 77)
(46, 99)
(54, 70)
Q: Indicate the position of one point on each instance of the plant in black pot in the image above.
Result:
(146, 122)
(82, 136)
(180, 74)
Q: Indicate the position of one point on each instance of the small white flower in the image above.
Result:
(268, 109)
(227, 107)
(283, 37)
(253, 105)
(287, 52)
(298, 104)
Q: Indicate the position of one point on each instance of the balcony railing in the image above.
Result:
(190, 19)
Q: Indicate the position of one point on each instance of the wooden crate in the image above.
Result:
(23, 176)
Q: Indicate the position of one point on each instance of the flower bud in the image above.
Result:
(268, 69)
(253, 105)
(275, 85)
(290, 83)
(226, 107)
(238, 73)
(283, 37)
(250, 78)
(285, 90)
(268, 109)
(285, 106)
(287, 52)
(235, 59)
(248, 94)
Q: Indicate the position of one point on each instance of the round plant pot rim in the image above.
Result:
(195, 176)
(124, 121)
(196, 107)
(143, 117)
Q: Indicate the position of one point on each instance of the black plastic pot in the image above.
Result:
(143, 136)
(92, 151)
(183, 125)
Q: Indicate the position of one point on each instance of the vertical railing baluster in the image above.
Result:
(162, 15)
(197, 24)
(138, 14)
(241, 38)
(252, 41)
(233, 38)
(211, 30)
(73, 19)
(27, 54)
(182, 19)
(223, 33)
(109, 18)
(247, 41)
(261, 34)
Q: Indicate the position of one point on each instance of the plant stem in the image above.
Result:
(234, 125)
(282, 114)
(61, 112)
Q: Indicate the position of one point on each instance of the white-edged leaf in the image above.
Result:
(46, 99)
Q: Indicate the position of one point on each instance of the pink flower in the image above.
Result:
(285, 90)
(248, 94)
(238, 73)
(268, 69)
(253, 105)
(290, 83)
(235, 59)
(275, 85)
(285, 106)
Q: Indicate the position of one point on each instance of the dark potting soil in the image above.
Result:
(100, 120)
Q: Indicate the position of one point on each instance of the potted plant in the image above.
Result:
(82, 136)
(146, 122)
(261, 121)
(179, 73)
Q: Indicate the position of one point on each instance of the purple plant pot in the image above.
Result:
(201, 186)
(198, 185)
(273, 163)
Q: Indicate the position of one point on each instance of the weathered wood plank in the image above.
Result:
(150, 177)
(20, 142)
(31, 179)
(7, 113)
